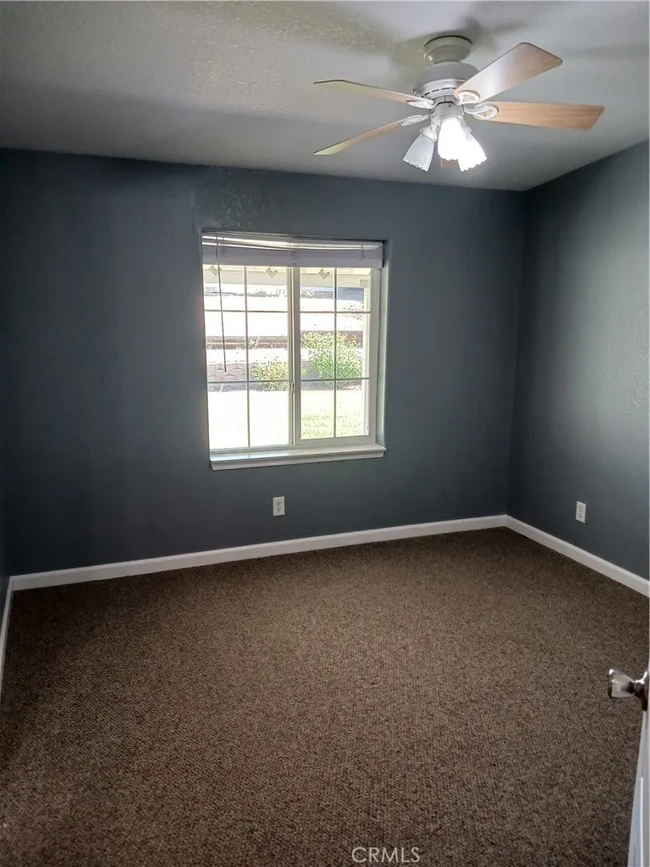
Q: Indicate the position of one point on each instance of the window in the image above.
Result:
(292, 333)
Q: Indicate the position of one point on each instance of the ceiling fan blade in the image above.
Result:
(377, 92)
(372, 133)
(547, 114)
(521, 63)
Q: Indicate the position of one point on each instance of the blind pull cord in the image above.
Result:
(223, 331)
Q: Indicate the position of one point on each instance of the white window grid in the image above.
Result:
(371, 350)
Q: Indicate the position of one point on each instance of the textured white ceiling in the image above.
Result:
(231, 83)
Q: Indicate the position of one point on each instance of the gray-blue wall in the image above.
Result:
(580, 426)
(107, 441)
(4, 567)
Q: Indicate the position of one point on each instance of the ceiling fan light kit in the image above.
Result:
(452, 91)
(455, 139)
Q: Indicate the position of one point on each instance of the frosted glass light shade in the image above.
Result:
(472, 154)
(451, 138)
(421, 151)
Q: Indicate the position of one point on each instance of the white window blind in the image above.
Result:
(286, 252)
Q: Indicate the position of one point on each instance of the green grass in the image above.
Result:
(269, 416)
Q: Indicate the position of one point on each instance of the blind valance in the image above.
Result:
(287, 252)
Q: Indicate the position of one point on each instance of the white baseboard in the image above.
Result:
(315, 543)
(4, 629)
(250, 552)
(635, 582)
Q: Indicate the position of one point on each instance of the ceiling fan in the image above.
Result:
(451, 91)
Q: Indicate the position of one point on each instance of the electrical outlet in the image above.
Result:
(278, 506)
(581, 512)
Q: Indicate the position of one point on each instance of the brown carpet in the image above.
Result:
(446, 693)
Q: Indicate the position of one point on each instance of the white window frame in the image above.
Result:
(325, 449)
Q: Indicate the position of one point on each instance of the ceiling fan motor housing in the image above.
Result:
(441, 80)
(448, 71)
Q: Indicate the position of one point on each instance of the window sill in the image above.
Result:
(295, 456)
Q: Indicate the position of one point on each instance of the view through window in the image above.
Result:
(291, 350)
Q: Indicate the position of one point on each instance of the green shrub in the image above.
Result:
(320, 345)
(274, 371)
